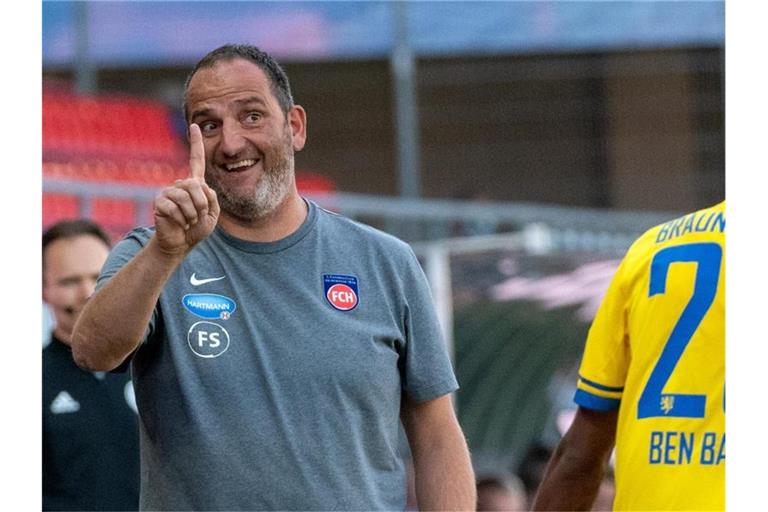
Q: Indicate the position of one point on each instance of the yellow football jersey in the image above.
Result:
(656, 351)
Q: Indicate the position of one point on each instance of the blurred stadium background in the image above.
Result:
(518, 146)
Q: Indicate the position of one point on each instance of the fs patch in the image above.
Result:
(341, 291)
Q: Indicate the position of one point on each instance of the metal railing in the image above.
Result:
(546, 227)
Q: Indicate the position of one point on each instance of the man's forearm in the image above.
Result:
(573, 475)
(569, 485)
(444, 476)
(114, 321)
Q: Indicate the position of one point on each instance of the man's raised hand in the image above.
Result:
(186, 212)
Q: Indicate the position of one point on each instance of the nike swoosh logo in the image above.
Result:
(197, 282)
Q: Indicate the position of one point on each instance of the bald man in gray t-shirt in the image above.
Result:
(266, 386)
(275, 347)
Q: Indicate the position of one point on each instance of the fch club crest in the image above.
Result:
(341, 291)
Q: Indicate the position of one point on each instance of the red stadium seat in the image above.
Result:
(58, 207)
(114, 214)
(314, 183)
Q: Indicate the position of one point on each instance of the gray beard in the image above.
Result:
(270, 191)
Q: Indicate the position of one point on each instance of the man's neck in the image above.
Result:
(63, 336)
(282, 222)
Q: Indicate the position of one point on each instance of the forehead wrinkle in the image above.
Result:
(251, 99)
(205, 110)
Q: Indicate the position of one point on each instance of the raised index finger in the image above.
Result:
(196, 153)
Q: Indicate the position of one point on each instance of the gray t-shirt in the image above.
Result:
(272, 373)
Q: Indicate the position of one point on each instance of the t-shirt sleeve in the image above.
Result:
(121, 254)
(605, 362)
(427, 372)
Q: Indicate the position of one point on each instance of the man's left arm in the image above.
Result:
(572, 478)
(444, 476)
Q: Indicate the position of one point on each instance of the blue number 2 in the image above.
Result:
(653, 402)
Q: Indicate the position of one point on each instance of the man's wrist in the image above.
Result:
(168, 259)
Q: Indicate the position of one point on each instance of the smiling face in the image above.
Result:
(249, 141)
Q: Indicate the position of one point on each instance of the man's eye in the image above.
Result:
(253, 117)
(207, 126)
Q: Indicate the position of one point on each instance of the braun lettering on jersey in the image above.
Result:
(699, 222)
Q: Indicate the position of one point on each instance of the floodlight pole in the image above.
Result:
(403, 66)
(85, 72)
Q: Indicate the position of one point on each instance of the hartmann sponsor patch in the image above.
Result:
(341, 291)
(209, 305)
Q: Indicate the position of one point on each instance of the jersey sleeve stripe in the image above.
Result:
(616, 395)
(598, 403)
(601, 386)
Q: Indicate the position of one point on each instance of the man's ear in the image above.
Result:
(297, 118)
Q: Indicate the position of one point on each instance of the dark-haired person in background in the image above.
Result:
(275, 346)
(90, 431)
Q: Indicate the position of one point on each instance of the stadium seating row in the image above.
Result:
(140, 172)
(112, 127)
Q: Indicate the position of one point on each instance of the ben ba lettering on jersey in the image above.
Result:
(679, 448)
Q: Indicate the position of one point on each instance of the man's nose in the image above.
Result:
(232, 140)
